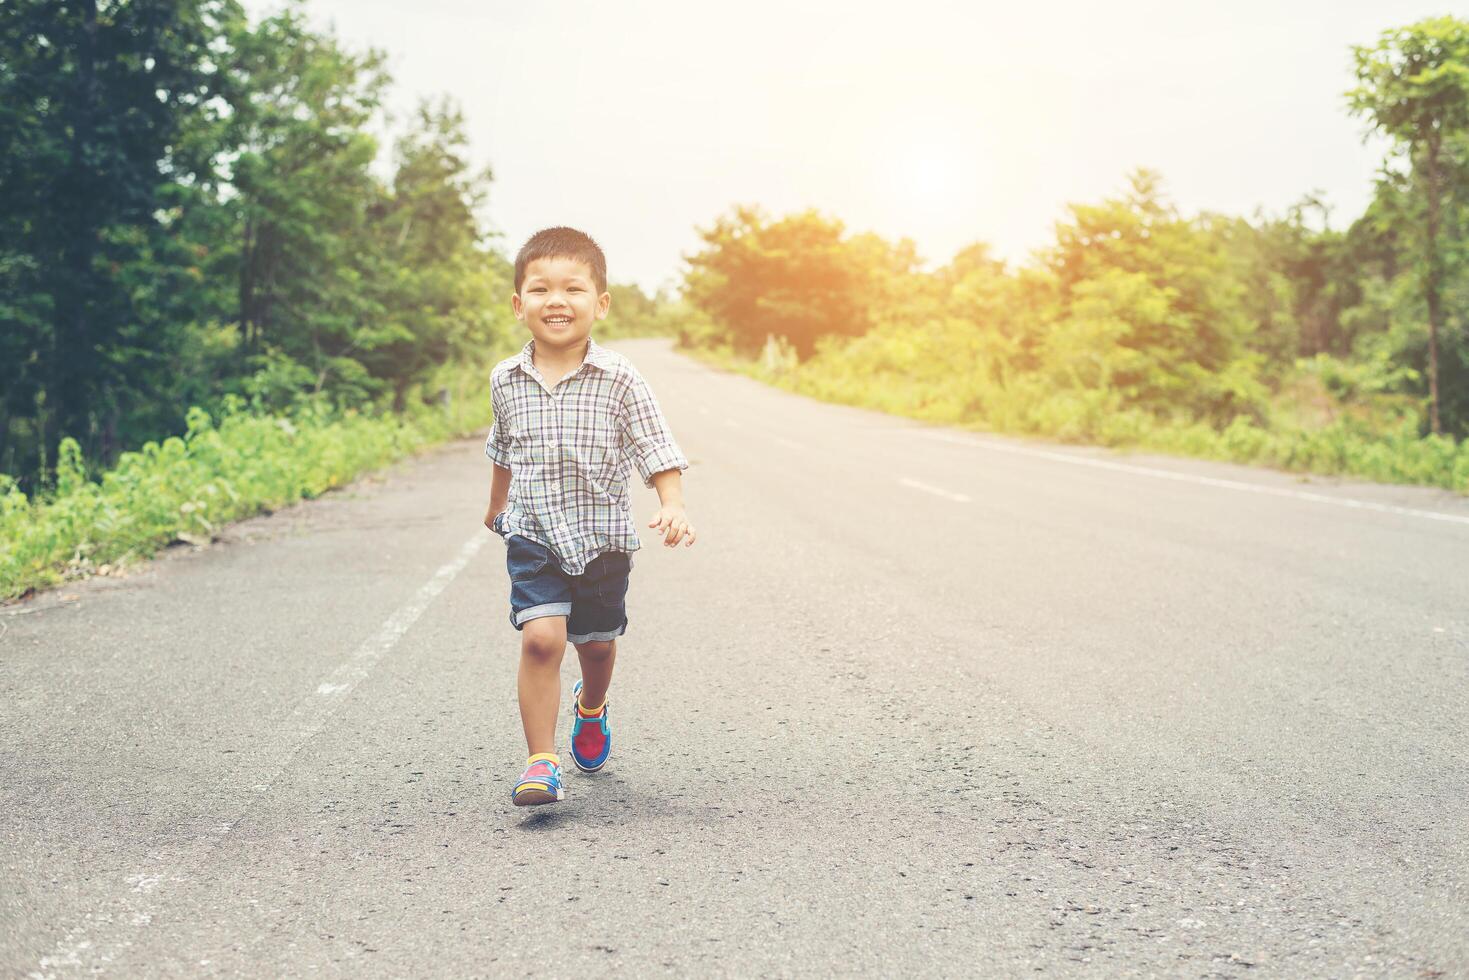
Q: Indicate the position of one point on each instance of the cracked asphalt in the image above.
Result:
(919, 702)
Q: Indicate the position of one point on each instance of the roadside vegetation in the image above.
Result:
(185, 488)
(1283, 340)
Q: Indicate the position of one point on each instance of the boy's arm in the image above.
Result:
(499, 494)
(497, 448)
(671, 520)
(648, 440)
(645, 434)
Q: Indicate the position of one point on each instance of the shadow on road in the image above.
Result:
(544, 819)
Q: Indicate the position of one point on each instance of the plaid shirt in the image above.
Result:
(567, 448)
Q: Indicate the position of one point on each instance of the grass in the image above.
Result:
(1341, 447)
(186, 488)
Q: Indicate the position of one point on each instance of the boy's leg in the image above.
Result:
(598, 618)
(542, 644)
(597, 658)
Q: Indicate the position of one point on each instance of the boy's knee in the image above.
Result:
(595, 649)
(543, 638)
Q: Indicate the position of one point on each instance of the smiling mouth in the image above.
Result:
(556, 320)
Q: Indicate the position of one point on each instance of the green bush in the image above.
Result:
(853, 375)
(221, 470)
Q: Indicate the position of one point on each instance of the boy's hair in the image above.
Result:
(562, 243)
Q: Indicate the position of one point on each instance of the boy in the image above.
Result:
(569, 415)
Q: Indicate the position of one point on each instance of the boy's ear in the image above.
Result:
(517, 306)
(604, 302)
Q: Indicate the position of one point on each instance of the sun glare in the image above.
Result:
(926, 178)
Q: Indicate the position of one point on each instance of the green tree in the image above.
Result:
(1149, 300)
(1300, 277)
(633, 312)
(302, 192)
(94, 101)
(1387, 248)
(432, 281)
(800, 277)
(1414, 87)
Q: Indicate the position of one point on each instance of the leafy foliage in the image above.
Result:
(1140, 323)
(1414, 87)
(194, 211)
(798, 277)
(96, 107)
(184, 488)
(1271, 342)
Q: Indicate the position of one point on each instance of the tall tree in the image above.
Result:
(1414, 87)
(1148, 305)
(303, 191)
(93, 97)
(429, 264)
(799, 277)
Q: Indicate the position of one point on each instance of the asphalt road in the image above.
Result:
(918, 702)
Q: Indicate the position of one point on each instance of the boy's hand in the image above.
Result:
(490, 516)
(673, 524)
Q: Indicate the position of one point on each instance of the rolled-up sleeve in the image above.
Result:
(645, 433)
(497, 446)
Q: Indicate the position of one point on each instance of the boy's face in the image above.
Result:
(558, 301)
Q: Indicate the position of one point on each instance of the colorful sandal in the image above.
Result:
(591, 738)
(540, 783)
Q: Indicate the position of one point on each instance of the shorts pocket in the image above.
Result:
(524, 557)
(612, 577)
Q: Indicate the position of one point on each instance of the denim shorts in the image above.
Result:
(594, 602)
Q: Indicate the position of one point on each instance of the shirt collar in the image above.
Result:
(597, 356)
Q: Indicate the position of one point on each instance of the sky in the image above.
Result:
(946, 123)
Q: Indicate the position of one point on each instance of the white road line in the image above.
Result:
(958, 498)
(93, 942)
(1208, 481)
